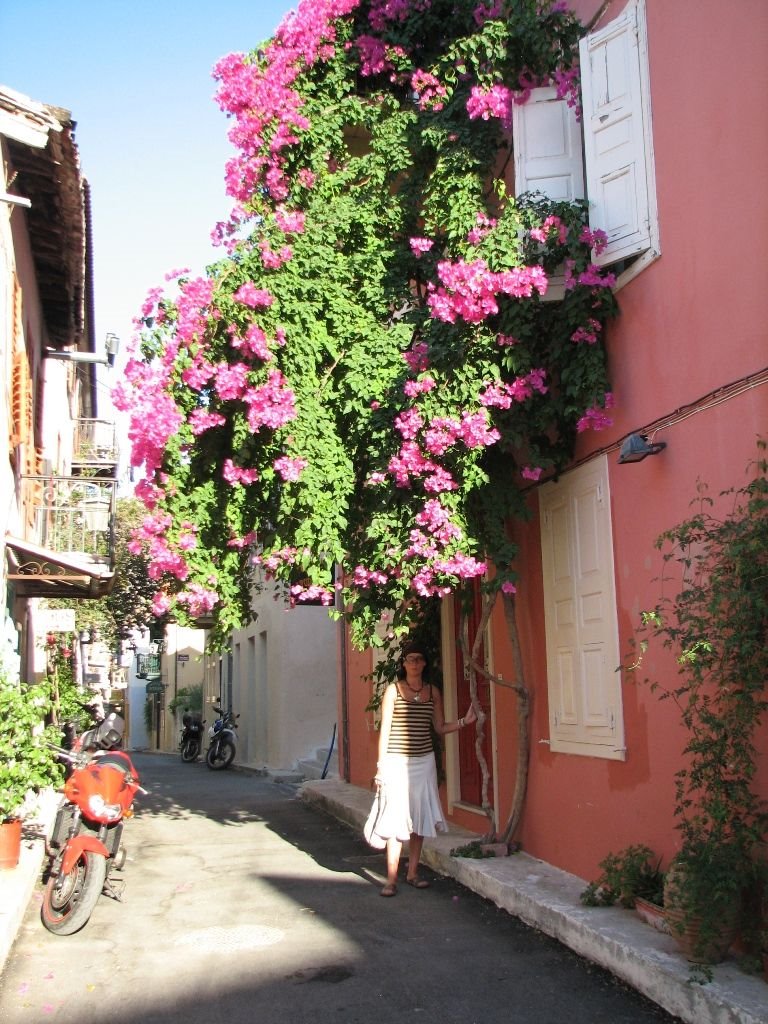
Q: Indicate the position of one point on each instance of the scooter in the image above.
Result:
(84, 846)
(191, 742)
(221, 751)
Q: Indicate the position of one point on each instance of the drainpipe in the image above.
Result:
(344, 686)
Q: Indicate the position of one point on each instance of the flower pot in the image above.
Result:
(10, 843)
(686, 927)
(652, 914)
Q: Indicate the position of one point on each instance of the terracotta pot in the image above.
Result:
(687, 933)
(652, 914)
(688, 939)
(10, 843)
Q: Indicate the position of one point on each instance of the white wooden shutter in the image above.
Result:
(585, 707)
(547, 141)
(617, 137)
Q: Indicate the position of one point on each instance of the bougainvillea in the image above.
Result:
(372, 374)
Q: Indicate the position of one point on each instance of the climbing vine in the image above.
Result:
(371, 374)
(353, 400)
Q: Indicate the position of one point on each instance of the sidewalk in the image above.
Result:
(17, 884)
(548, 899)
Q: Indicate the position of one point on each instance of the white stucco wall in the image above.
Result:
(284, 673)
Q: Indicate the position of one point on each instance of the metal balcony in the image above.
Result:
(65, 545)
(95, 448)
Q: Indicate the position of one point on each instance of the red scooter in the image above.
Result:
(84, 846)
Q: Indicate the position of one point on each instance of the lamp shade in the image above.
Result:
(637, 447)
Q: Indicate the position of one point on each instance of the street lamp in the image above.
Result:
(111, 348)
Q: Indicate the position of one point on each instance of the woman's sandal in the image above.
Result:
(390, 889)
(418, 883)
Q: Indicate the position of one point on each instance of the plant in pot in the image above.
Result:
(27, 764)
(716, 627)
(631, 878)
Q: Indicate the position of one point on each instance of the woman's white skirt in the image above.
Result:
(408, 799)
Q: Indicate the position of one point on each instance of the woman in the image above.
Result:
(407, 775)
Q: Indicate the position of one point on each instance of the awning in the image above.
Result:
(39, 572)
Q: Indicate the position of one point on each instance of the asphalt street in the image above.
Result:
(242, 904)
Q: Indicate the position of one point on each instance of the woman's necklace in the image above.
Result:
(416, 698)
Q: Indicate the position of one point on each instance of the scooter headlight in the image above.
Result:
(99, 808)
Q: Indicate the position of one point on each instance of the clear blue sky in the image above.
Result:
(136, 76)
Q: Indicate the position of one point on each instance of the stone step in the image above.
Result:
(312, 768)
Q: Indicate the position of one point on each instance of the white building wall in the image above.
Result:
(284, 683)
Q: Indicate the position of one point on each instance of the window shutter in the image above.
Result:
(547, 142)
(21, 400)
(616, 141)
(584, 689)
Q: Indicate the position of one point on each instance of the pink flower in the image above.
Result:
(161, 603)
(429, 90)
(363, 577)
(252, 296)
(475, 431)
(469, 290)
(508, 588)
(488, 103)
(550, 224)
(531, 472)
(231, 380)
(272, 404)
(412, 388)
(201, 420)
(289, 468)
(290, 221)
(442, 433)
(237, 475)
(199, 600)
(594, 277)
(595, 417)
(483, 12)
(420, 245)
(439, 480)
(418, 357)
(409, 423)
(588, 333)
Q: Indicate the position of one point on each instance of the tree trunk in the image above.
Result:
(473, 667)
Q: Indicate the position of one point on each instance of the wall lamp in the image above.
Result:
(637, 447)
(111, 348)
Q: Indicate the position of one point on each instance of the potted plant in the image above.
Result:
(631, 878)
(715, 625)
(27, 764)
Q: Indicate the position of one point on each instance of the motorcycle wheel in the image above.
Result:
(220, 755)
(190, 750)
(68, 902)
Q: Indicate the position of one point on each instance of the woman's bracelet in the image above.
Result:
(461, 723)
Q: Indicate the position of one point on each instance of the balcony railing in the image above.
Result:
(95, 444)
(71, 515)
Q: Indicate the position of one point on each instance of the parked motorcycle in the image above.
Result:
(84, 846)
(223, 740)
(191, 742)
